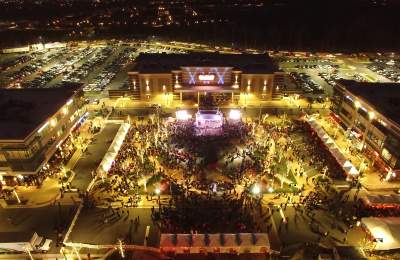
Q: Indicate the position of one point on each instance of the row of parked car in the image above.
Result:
(78, 73)
(15, 61)
(59, 68)
(110, 71)
(45, 77)
(329, 78)
(306, 83)
(386, 69)
(34, 66)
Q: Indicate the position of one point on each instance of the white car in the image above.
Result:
(42, 244)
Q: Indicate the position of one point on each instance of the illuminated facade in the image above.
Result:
(190, 76)
(34, 123)
(371, 111)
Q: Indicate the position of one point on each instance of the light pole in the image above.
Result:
(16, 195)
(121, 248)
(158, 192)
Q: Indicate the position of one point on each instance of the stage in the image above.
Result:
(209, 122)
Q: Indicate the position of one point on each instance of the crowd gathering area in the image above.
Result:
(216, 183)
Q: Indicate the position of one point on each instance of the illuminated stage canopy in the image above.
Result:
(209, 119)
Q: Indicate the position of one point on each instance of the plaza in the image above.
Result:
(209, 158)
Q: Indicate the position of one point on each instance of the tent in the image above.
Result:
(353, 171)
(325, 137)
(347, 164)
(379, 200)
(217, 243)
(112, 151)
(348, 167)
(384, 231)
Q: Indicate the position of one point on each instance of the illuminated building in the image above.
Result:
(371, 112)
(34, 122)
(190, 76)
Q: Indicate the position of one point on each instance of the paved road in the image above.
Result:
(90, 227)
(43, 221)
(93, 156)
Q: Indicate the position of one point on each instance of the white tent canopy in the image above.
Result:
(347, 166)
(381, 200)
(112, 151)
(216, 243)
(385, 231)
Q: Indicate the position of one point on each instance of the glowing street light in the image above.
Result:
(53, 122)
(270, 189)
(357, 104)
(234, 114)
(371, 115)
(157, 191)
(256, 189)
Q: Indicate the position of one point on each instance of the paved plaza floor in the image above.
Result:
(91, 227)
(44, 221)
(95, 152)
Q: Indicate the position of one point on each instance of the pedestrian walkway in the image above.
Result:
(371, 179)
(49, 191)
(91, 158)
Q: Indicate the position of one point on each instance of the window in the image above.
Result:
(392, 142)
(360, 126)
(363, 113)
(345, 113)
(386, 155)
(348, 100)
(374, 138)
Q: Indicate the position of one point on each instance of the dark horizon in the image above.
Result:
(339, 26)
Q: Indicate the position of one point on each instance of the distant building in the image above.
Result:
(33, 123)
(190, 76)
(371, 111)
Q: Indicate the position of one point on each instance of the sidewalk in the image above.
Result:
(49, 191)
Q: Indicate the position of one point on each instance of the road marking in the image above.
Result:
(146, 235)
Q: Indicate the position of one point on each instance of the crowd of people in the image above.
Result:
(171, 154)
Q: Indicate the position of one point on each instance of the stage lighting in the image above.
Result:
(234, 114)
(182, 115)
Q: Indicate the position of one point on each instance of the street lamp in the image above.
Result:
(157, 191)
(256, 190)
(120, 248)
(371, 115)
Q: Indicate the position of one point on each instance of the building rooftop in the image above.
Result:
(23, 110)
(384, 97)
(165, 63)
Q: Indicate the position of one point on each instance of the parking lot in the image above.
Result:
(98, 66)
(104, 65)
(315, 74)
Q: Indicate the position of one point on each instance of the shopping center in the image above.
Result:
(228, 78)
(370, 112)
(34, 122)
